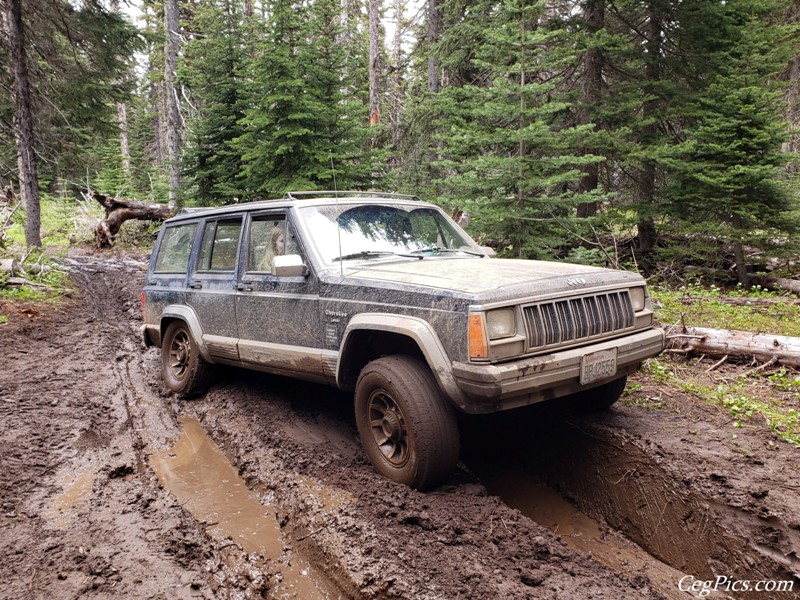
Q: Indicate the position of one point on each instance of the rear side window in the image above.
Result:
(176, 246)
(220, 245)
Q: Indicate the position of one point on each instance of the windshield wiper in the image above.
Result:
(374, 254)
(439, 249)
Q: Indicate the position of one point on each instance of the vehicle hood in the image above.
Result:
(482, 275)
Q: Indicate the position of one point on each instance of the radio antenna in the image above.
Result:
(338, 228)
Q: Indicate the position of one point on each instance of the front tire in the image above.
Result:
(407, 429)
(183, 370)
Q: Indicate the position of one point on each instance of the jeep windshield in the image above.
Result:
(357, 232)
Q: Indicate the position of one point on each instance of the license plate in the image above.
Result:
(598, 365)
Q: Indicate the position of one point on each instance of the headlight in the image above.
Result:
(501, 323)
(637, 298)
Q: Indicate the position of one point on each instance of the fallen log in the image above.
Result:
(778, 283)
(119, 210)
(23, 281)
(735, 344)
(9, 265)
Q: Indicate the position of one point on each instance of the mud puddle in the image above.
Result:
(580, 532)
(77, 489)
(603, 492)
(205, 483)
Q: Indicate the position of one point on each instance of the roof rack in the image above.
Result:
(195, 209)
(347, 194)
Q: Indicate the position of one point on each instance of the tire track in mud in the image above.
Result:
(78, 518)
(648, 494)
(89, 518)
(238, 567)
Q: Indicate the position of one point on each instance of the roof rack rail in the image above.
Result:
(195, 209)
(348, 194)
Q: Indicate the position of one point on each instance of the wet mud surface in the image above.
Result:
(110, 488)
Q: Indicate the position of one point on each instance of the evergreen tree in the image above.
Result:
(727, 174)
(299, 121)
(212, 68)
(511, 156)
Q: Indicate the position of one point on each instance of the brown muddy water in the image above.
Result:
(205, 483)
(603, 493)
(600, 494)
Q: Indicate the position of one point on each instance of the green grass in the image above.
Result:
(60, 217)
(50, 283)
(697, 306)
(772, 399)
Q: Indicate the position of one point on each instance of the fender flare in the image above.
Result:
(418, 330)
(188, 316)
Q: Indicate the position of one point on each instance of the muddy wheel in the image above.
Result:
(407, 428)
(601, 397)
(184, 371)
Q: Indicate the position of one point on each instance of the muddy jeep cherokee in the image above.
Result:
(386, 296)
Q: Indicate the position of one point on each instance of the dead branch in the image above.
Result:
(717, 364)
(770, 363)
(119, 210)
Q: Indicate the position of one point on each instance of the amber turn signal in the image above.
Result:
(478, 346)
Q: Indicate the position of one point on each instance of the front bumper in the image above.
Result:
(491, 388)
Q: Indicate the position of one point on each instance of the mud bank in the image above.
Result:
(89, 508)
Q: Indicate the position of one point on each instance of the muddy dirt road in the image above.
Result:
(110, 488)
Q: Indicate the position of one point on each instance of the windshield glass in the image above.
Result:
(371, 231)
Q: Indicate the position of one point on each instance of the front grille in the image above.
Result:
(575, 319)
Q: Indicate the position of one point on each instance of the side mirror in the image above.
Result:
(289, 265)
(489, 251)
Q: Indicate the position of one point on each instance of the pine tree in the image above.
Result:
(512, 158)
(727, 174)
(77, 58)
(212, 71)
(305, 124)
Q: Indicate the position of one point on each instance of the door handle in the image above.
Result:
(243, 287)
(196, 284)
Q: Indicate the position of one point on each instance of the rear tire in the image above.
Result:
(183, 370)
(408, 430)
(599, 398)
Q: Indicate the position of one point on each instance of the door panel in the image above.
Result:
(212, 287)
(278, 317)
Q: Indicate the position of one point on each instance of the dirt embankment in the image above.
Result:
(86, 425)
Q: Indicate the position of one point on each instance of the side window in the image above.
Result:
(267, 240)
(176, 246)
(220, 245)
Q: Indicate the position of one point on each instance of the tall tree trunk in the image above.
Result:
(172, 26)
(434, 31)
(23, 123)
(647, 234)
(591, 89)
(793, 109)
(122, 121)
(738, 253)
(124, 147)
(397, 92)
(374, 61)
